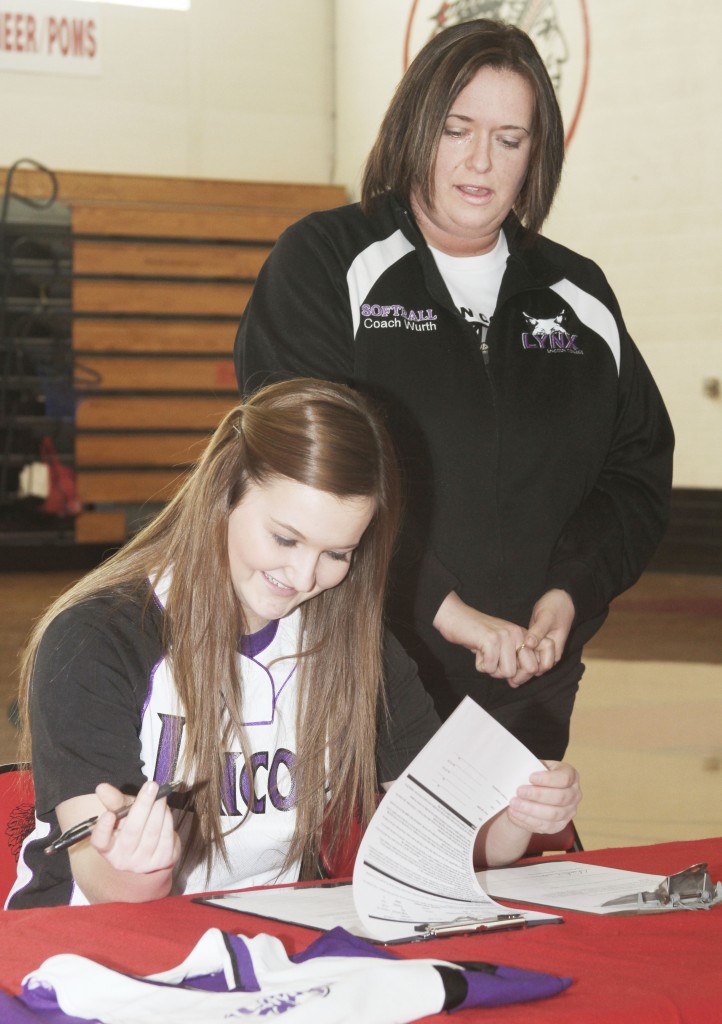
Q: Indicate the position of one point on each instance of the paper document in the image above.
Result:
(325, 906)
(414, 867)
(571, 886)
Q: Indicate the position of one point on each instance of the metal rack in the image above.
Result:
(36, 356)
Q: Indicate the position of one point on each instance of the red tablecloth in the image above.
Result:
(663, 968)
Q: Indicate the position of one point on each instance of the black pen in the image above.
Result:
(319, 885)
(83, 829)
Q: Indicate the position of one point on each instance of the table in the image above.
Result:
(662, 968)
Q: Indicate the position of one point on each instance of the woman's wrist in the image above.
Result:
(444, 618)
(500, 842)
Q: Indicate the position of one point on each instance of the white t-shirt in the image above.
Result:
(474, 282)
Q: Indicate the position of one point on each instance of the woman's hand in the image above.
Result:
(145, 840)
(130, 859)
(546, 804)
(505, 650)
(493, 641)
(551, 621)
(549, 801)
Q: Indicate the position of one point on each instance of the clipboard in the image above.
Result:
(326, 905)
(592, 889)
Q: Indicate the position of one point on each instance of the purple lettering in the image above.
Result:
(248, 787)
(166, 762)
(286, 759)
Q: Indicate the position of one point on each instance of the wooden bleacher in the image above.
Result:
(162, 270)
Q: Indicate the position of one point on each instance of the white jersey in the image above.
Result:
(265, 804)
(231, 977)
(104, 708)
(263, 807)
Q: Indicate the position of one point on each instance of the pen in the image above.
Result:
(83, 829)
(501, 922)
(319, 885)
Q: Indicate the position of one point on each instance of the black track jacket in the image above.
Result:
(549, 465)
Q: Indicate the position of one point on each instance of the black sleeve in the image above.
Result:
(609, 540)
(89, 682)
(411, 720)
(297, 322)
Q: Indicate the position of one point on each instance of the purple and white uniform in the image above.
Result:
(104, 708)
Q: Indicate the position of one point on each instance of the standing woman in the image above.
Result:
(236, 644)
(536, 446)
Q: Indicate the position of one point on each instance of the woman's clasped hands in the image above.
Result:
(503, 649)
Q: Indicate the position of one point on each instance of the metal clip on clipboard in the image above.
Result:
(690, 889)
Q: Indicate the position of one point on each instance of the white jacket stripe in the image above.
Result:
(593, 313)
(368, 267)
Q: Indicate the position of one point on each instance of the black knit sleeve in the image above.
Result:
(411, 720)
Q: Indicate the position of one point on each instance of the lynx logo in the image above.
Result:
(559, 29)
(550, 335)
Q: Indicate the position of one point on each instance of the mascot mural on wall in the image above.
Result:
(559, 29)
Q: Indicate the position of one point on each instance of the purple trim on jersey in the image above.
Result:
(338, 942)
(242, 963)
(509, 985)
(38, 1003)
(149, 691)
(276, 692)
(250, 647)
(208, 982)
(255, 643)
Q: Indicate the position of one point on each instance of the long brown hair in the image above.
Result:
(404, 155)
(326, 436)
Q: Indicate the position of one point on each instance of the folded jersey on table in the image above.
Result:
(337, 978)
